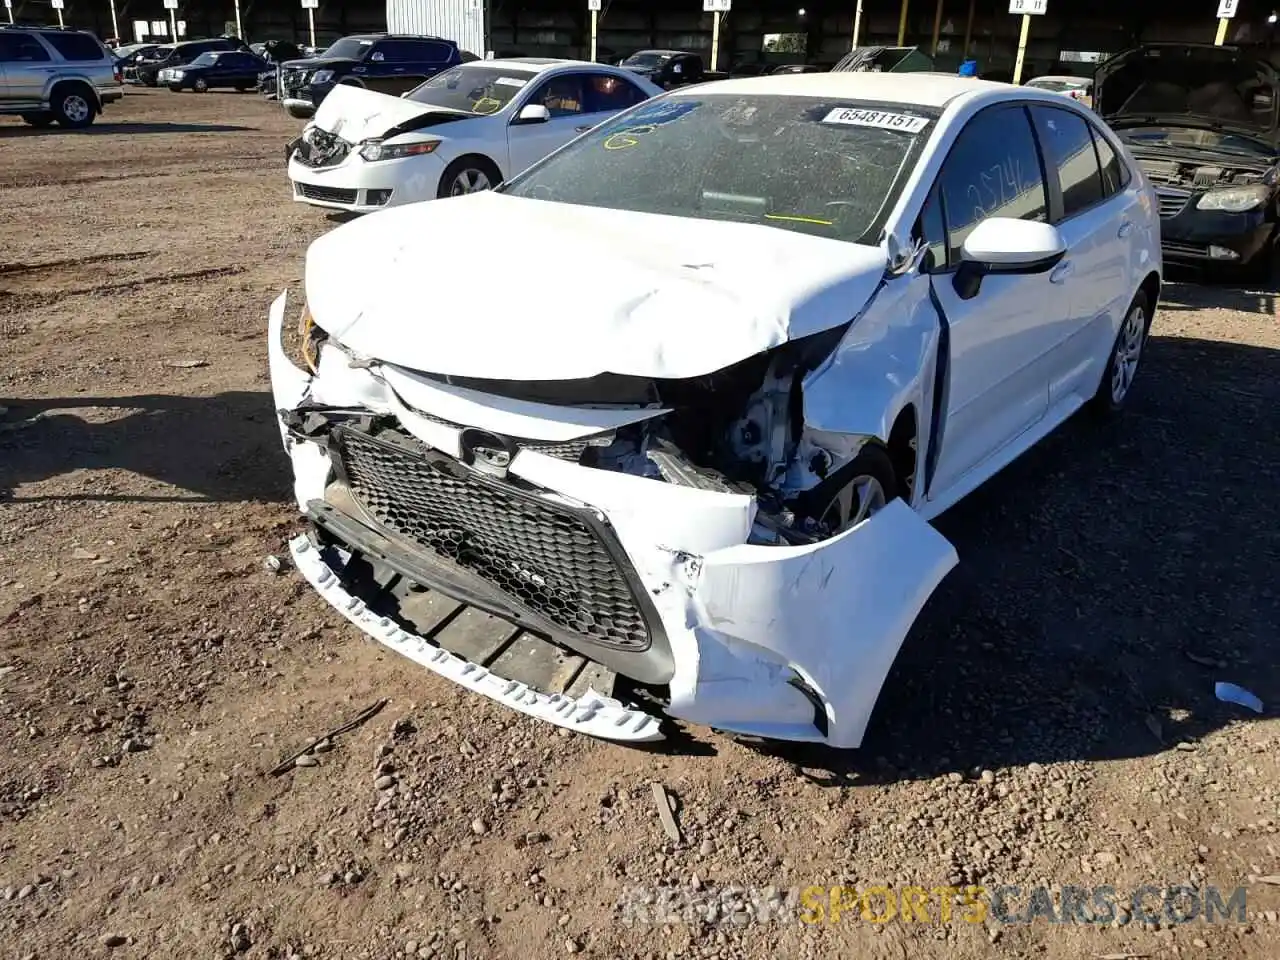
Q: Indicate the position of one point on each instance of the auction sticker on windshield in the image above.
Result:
(510, 82)
(876, 118)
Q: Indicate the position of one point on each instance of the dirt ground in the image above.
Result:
(1050, 723)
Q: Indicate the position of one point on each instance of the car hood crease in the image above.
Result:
(490, 286)
(355, 114)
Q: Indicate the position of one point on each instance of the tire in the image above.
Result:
(473, 174)
(175, 88)
(38, 120)
(73, 107)
(200, 85)
(299, 113)
(856, 491)
(1124, 360)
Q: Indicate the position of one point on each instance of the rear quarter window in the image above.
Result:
(76, 47)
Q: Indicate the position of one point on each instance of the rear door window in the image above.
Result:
(76, 47)
(1115, 175)
(1068, 147)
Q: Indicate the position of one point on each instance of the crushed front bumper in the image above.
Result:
(781, 642)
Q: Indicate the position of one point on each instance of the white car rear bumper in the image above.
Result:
(783, 642)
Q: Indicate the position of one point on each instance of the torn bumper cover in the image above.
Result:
(657, 581)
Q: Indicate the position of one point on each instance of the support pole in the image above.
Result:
(115, 25)
(239, 26)
(968, 31)
(311, 24)
(1221, 38)
(937, 29)
(595, 22)
(1022, 49)
(715, 40)
(902, 24)
(173, 25)
(857, 23)
(60, 23)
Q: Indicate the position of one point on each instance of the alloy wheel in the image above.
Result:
(470, 180)
(75, 108)
(1128, 352)
(862, 497)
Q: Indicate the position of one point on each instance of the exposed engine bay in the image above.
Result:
(1195, 175)
(739, 430)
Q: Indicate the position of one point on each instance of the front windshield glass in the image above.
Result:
(1144, 136)
(348, 48)
(825, 167)
(205, 60)
(646, 60)
(471, 87)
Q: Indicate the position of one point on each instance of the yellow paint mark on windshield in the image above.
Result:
(486, 105)
(789, 219)
(625, 139)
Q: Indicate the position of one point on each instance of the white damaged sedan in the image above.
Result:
(464, 130)
(679, 401)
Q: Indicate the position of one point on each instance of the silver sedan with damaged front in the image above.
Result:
(679, 401)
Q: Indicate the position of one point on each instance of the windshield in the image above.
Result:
(826, 167)
(646, 59)
(471, 87)
(159, 53)
(348, 48)
(1145, 136)
(205, 60)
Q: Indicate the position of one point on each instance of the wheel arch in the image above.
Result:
(1151, 287)
(75, 80)
(476, 157)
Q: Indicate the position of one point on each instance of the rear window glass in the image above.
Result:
(76, 46)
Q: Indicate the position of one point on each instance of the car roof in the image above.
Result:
(921, 89)
(535, 65)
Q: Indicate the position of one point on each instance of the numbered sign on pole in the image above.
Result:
(310, 4)
(1227, 9)
(717, 6)
(171, 4)
(56, 4)
(593, 6)
(1029, 8)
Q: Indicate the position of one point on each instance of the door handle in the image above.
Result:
(1061, 272)
(1126, 228)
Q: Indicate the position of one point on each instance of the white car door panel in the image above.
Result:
(1001, 340)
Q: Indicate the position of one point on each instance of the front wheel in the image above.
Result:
(468, 175)
(200, 86)
(1126, 354)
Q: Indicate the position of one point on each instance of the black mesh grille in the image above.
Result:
(326, 194)
(549, 559)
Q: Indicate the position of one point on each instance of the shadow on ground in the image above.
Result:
(122, 129)
(220, 448)
(1092, 572)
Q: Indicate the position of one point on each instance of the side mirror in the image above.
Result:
(1003, 245)
(532, 113)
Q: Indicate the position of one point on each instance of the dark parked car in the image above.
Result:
(1202, 123)
(147, 71)
(388, 63)
(275, 52)
(229, 69)
(666, 68)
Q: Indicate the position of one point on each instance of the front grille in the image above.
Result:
(292, 82)
(546, 557)
(325, 194)
(1171, 201)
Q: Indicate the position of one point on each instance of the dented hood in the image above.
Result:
(356, 115)
(497, 287)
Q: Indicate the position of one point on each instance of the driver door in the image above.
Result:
(1001, 339)
(564, 96)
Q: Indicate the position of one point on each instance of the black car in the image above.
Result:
(1202, 123)
(147, 71)
(388, 63)
(666, 68)
(275, 52)
(230, 69)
